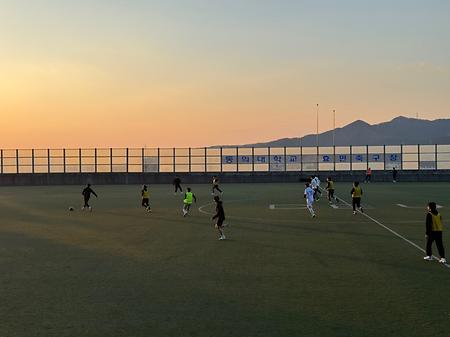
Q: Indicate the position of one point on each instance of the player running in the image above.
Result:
(315, 185)
(189, 197)
(145, 198)
(330, 190)
(220, 216)
(356, 197)
(87, 195)
(177, 184)
(215, 184)
(434, 228)
(309, 196)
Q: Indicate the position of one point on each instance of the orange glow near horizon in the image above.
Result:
(176, 81)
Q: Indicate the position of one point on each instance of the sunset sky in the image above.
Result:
(113, 73)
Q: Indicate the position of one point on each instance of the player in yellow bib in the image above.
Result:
(356, 197)
(189, 198)
(330, 190)
(434, 228)
(145, 198)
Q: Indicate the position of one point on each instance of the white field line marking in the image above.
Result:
(286, 206)
(415, 207)
(334, 206)
(395, 233)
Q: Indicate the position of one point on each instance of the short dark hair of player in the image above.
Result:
(356, 183)
(307, 184)
(432, 205)
(216, 198)
(329, 178)
(88, 185)
(188, 189)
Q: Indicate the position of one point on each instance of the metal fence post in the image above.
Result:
(418, 157)
(17, 161)
(401, 156)
(32, 161)
(268, 153)
(142, 159)
(435, 156)
(221, 159)
(127, 160)
(95, 160)
(206, 158)
(1, 161)
(159, 160)
(173, 160)
(334, 158)
(48, 160)
(79, 160)
(64, 160)
(351, 158)
(301, 158)
(190, 161)
(317, 159)
(237, 159)
(285, 162)
(367, 157)
(110, 160)
(384, 157)
(253, 159)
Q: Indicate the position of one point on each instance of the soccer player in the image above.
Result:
(394, 175)
(145, 198)
(330, 190)
(215, 183)
(177, 184)
(315, 185)
(433, 232)
(189, 197)
(220, 216)
(356, 197)
(87, 195)
(309, 196)
(368, 175)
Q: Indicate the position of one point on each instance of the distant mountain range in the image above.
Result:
(400, 130)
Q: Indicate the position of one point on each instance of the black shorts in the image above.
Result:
(220, 221)
(145, 201)
(356, 202)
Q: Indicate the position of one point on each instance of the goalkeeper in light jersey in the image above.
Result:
(189, 197)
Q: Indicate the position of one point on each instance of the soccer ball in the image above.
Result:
(71, 209)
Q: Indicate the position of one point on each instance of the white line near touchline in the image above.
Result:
(405, 206)
(395, 233)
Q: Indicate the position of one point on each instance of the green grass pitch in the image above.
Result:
(120, 271)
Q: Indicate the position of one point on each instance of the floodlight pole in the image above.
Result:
(317, 126)
(334, 125)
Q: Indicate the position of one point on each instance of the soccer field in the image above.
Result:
(119, 271)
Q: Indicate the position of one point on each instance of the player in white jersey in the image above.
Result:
(315, 185)
(309, 196)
